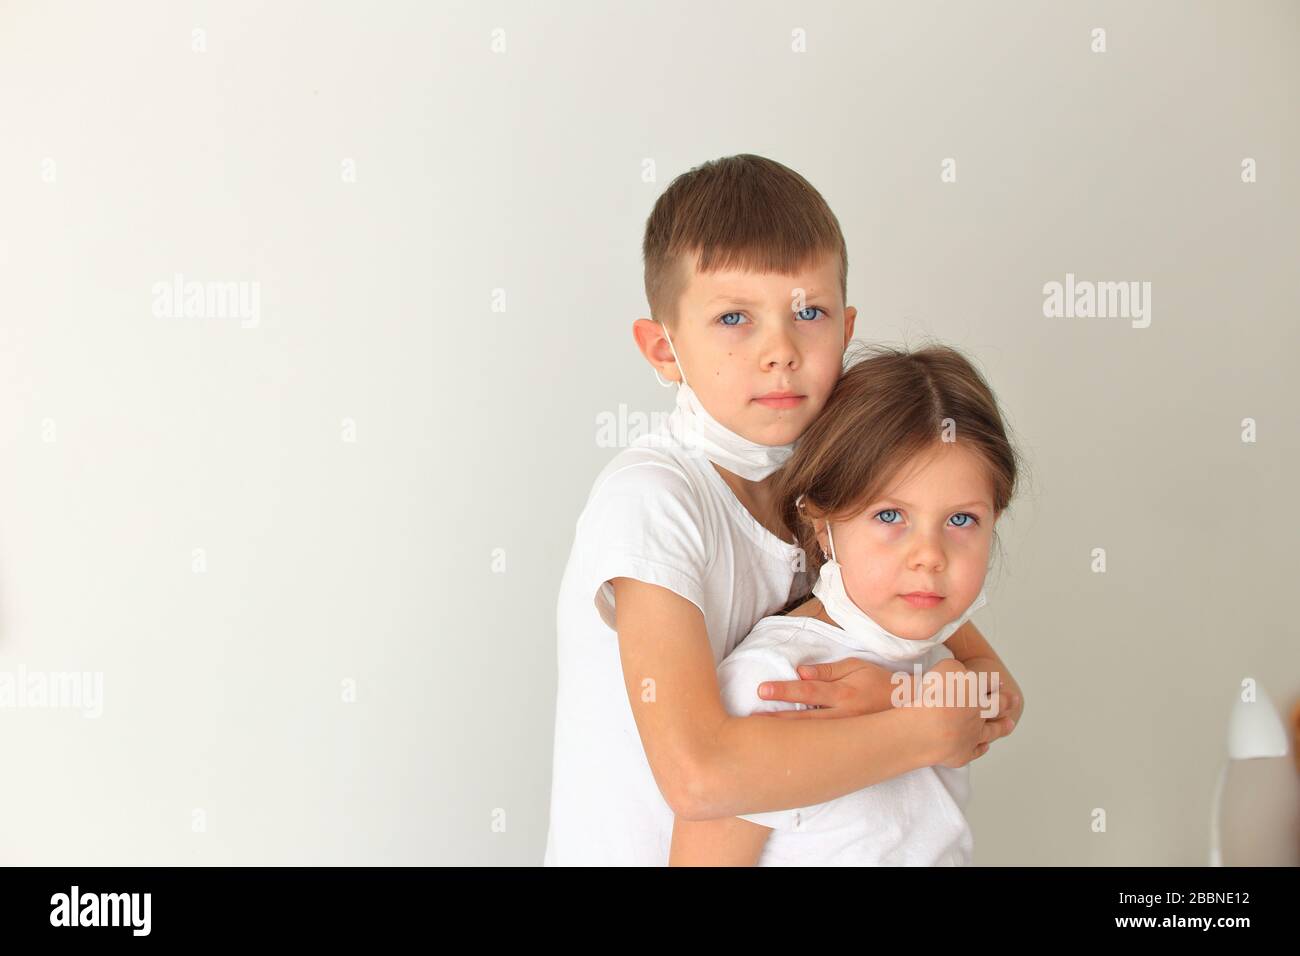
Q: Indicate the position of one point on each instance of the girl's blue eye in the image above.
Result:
(970, 520)
(723, 319)
(813, 309)
(888, 511)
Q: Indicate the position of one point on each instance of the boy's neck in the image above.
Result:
(757, 498)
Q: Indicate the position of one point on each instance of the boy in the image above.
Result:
(678, 551)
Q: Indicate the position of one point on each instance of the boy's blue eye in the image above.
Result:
(970, 520)
(723, 319)
(813, 309)
(887, 511)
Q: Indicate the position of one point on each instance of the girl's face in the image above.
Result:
(928, 534)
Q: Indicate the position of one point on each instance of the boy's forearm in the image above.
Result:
(969, 646)
(725, 841)
(967, 642)
(756, 764)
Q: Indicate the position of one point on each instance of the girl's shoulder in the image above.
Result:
(784, 636)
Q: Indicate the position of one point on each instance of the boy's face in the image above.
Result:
(741, 336)
(930, 531)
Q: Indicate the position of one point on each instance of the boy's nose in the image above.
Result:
(779, 349)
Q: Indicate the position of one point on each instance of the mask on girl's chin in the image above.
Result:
(703, 434)
(865, 632)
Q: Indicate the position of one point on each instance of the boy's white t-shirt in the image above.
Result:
(916, 819)
(658, 512)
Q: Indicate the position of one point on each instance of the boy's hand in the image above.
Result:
(1011, 701)
(845, 688)
(852, 687)
(956, 735)
(848, 688)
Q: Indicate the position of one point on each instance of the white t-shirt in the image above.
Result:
(916, 819)
(660, 513)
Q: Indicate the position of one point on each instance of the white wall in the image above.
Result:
(130, 439)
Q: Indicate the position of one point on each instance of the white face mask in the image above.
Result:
(704, 434)
(866, 633)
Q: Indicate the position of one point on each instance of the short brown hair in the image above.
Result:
(744, 212)
(886, 408)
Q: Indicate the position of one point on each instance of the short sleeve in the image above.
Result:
(644, 521)
(738, 678)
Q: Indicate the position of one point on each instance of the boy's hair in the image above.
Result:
(743, 212)
(885, 409)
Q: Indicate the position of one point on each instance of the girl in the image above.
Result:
(893, 493)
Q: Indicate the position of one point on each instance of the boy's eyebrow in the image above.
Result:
(741, 300)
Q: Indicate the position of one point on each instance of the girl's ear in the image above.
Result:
(819, 530)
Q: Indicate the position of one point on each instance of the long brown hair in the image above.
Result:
(886, 408)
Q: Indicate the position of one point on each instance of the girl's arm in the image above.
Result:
(726, 841)
(710, 764)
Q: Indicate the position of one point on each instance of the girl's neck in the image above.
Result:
(813, 607)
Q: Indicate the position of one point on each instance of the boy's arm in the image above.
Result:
(726, 841)
(969, 646)
(710, 764)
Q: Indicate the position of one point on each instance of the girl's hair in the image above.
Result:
(885, 409)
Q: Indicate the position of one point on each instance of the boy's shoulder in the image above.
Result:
(659, 460)
(647, 517)
(658, 481)
(648, 465)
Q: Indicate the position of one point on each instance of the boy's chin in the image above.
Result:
(766, 429)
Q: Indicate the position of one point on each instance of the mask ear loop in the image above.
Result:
(798, 503)
(681, 371)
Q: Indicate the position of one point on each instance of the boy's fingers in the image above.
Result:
(795, 691)
(1002, 700)
(995, 727)
(831, 670)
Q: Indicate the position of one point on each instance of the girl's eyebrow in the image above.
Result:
(966, 504)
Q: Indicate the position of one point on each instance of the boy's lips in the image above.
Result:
(780, 399)
(922, 599)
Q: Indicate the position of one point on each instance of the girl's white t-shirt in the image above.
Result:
(916, 819)
(658, 512)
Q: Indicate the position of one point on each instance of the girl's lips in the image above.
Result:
(922, 600)
(788, 401)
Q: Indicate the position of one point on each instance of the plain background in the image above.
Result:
(421, 561)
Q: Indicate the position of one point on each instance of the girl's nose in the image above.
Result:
(927, 553)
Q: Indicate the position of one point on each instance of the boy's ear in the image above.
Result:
(850, 316)
(650, 340)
